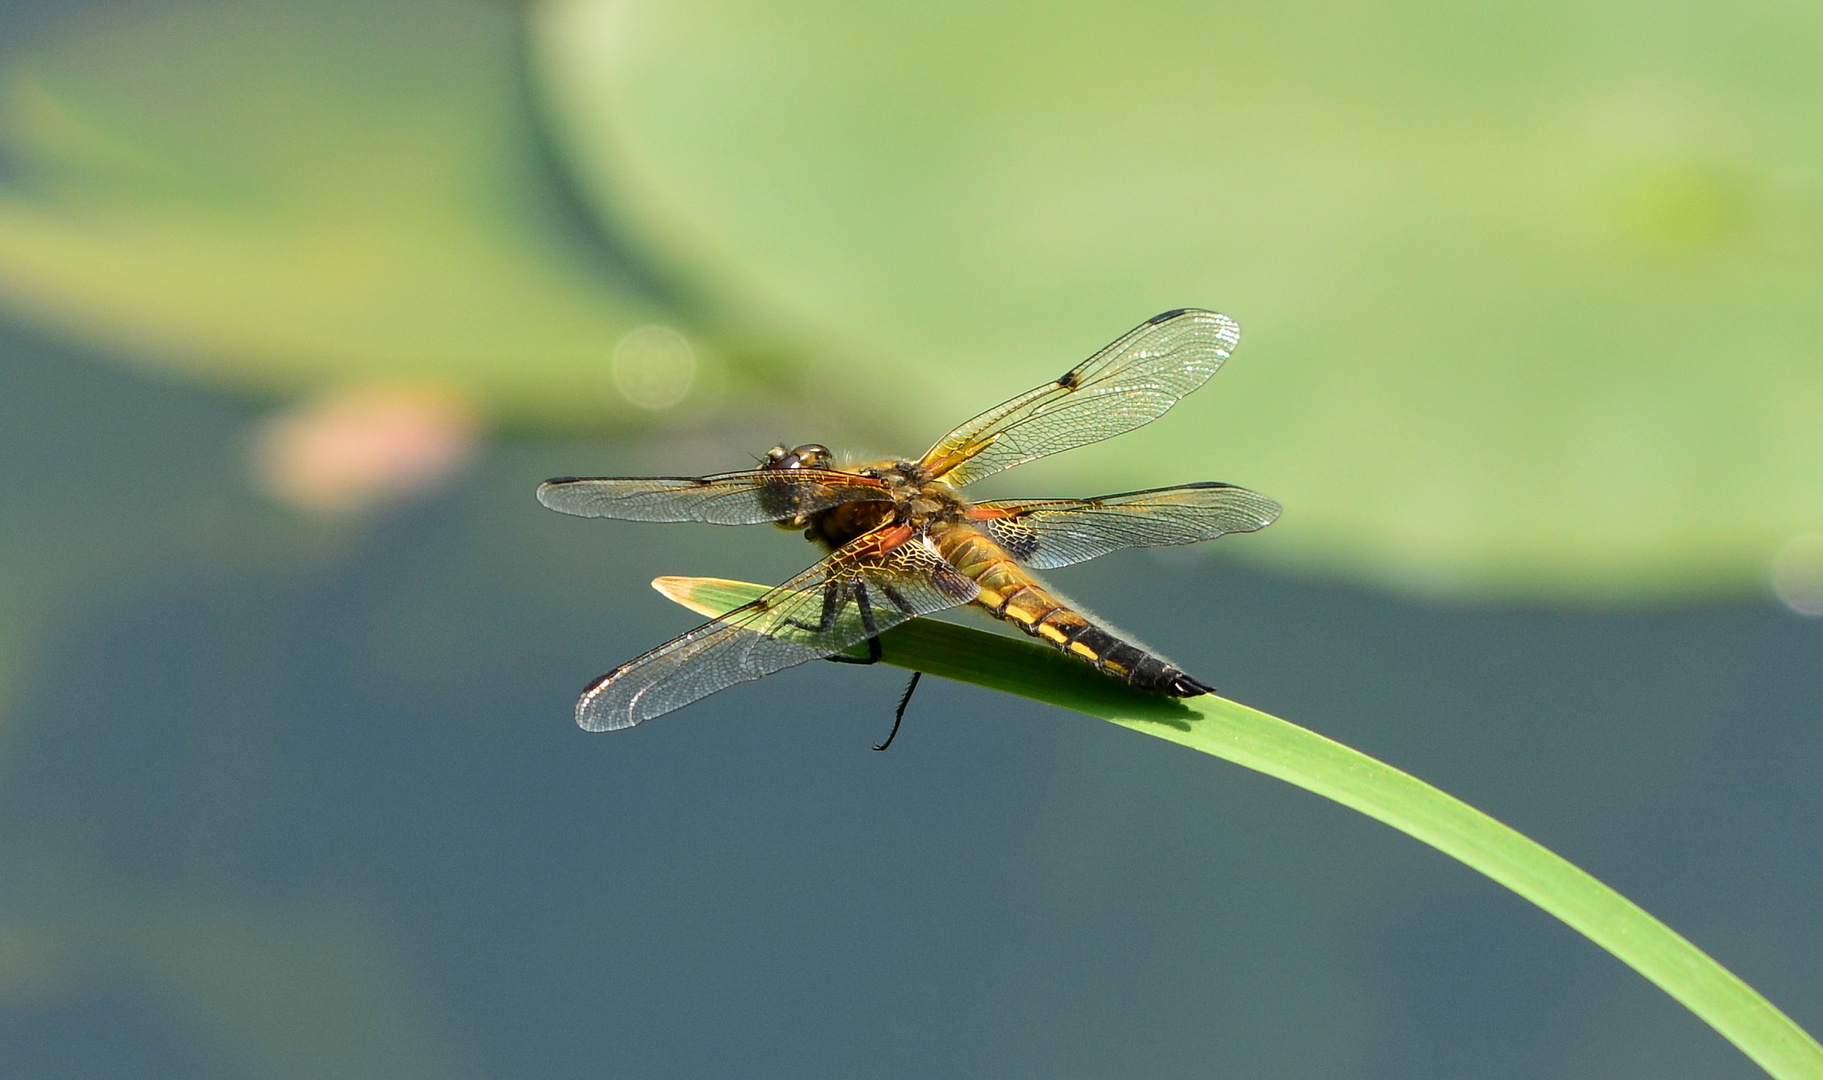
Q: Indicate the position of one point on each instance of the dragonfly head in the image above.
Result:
(808, 456)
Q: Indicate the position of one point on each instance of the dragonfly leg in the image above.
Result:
(833, 598)
(868, 623)
(899, 715)
(898, 601)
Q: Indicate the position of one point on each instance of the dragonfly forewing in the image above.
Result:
(748, 497)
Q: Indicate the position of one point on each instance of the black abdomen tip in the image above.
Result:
(1182, 685)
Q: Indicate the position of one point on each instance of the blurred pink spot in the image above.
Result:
(355, 446)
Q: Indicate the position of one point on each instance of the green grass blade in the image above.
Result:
(1272, 746)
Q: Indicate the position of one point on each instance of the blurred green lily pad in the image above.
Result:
(291, 193)
(1530, 292)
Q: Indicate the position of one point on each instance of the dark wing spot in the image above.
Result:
(563, 479)
(1019, 539)
(1166, 316)
(954, 585)
(1067, 380)
(762, 605)
(782, 497)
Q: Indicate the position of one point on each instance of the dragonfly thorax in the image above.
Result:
(916, 498)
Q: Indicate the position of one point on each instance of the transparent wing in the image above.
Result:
(1126, 385)
(750, 497)
(1050, 533)
(868, 586)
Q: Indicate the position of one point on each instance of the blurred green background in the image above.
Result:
(300, 299)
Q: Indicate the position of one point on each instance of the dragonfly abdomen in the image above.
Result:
(1009, 592)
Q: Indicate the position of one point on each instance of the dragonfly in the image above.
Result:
(903, 542)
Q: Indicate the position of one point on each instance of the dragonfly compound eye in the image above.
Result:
(811, 455)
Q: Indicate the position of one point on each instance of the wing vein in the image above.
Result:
(1129, 384)
(817, 613)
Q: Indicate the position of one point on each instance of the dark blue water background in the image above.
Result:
(284, 799)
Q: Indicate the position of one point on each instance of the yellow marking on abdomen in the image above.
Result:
(1009, 593)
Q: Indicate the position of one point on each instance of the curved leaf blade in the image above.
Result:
(1278, 748)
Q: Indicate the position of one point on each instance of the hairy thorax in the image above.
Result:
(918, 500)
